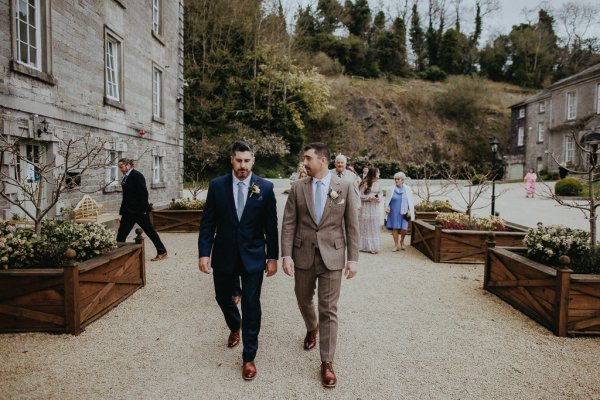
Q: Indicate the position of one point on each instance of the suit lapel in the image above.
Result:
(333, 185)
(229, 195)
(250, 195)
(308, 197)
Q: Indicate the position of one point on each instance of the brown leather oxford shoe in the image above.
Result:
(310, 341)
(160, 257)
(328, 378)
(248, 371)
(234, 339)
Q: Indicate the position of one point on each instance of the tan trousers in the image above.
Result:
(329, 284)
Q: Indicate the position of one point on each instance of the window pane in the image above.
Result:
(32, 13)
(23, 9)
(22, 56)
(32, 56)
(23, 33)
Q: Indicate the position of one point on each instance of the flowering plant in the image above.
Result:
(546, 244)
(333, 194)
(186, 204)
(436, 205)
(460, 221)
(254, 189)
(21, 248)
(16, 246)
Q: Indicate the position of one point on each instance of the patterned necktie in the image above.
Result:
(319, 201)
(240, 200)
(124, 179)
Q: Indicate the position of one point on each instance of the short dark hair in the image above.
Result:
(241, 145)
(320, 148)
(126, 161)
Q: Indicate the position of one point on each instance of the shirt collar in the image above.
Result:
(245, 181)
(128, 172)
(326, 180)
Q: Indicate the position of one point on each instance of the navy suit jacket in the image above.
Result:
(254, 238)
(135, 195)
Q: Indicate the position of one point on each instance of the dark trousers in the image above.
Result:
(226, 285)
(143, 220)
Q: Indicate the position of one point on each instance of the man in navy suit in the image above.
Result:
(238, 239)
(135, 207)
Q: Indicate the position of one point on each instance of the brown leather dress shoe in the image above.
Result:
(328, 378)
(310, 341)
(249, 371)
(159, 257)
(234, 339)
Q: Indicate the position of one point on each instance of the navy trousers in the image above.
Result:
(227, 284)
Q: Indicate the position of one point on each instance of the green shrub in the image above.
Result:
(478, 179)
(186, 204)
(436, 205)
(434, 74)
(568, 187)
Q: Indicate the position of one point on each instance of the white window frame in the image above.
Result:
(113, 69)
(571, 107)
(32, 39)
(27, 28)
(540, 131)
(541, 107)
(157, 163)
(521, 137)
(522, 112)
(569, 149)
(157, 94)
(598, 98)
(112, 167)
(157, 17)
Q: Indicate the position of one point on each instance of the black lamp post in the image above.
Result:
(494, 144)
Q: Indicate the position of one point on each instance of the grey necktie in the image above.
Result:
(240, 200)
(319, 201)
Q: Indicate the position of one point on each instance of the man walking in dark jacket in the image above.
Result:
(135, 207)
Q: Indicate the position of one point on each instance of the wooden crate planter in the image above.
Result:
(70, 298)
(459, 246)
(176, 220)
(564, 302)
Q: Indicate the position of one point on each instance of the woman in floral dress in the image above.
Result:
(370, 215)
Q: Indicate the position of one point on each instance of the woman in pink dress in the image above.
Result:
(529, 180)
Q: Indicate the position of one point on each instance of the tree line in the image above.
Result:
(250, 73)
(434, 44)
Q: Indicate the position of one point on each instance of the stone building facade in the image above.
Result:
(542, 125)
(110, 69)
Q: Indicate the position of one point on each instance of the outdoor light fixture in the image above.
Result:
(43, 127)
(494, 145)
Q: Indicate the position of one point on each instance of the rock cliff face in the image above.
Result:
(405, 121)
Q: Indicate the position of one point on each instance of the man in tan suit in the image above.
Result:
(320, 223)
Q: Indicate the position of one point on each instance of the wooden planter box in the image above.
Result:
(176, 220)
(68, 299)
(564, 302)
(460, 246)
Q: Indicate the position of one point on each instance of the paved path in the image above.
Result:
(409, 329)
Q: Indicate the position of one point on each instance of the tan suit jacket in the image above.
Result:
(337, 234)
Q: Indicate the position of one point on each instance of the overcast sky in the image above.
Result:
(512, 12)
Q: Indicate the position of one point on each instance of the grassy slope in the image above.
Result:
(400, 121)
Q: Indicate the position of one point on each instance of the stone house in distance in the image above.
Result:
(542, 125)
(112, 69)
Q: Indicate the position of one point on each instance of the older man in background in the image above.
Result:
(342, 172)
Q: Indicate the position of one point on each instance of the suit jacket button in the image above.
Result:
(317, 230)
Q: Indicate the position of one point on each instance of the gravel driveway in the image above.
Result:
(409, 328)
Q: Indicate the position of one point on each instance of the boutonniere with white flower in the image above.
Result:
(254, 189)
(333, 194)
